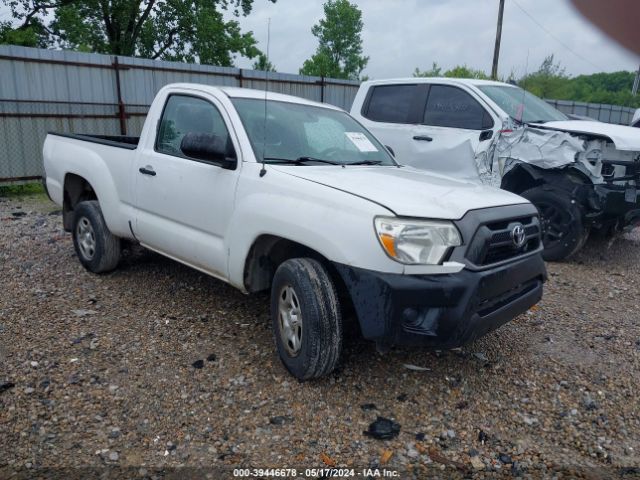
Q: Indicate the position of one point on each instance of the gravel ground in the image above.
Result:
(100, 371)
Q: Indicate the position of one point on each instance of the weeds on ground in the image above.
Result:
(21, 190)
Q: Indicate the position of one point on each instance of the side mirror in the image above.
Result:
(393, 154)
(208, 148)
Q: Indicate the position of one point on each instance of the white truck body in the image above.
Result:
(497, 134)
(225, 220)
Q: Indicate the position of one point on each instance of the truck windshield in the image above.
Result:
(307, 135)
(521, 105)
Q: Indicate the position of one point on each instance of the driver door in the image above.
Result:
(184, 205)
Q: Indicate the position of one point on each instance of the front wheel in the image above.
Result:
(563, 231)
(307, 320)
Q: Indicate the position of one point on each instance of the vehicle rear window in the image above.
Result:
(390, 103)
(449, 106)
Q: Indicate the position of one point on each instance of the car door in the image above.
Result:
(387, 113)
(184, 205)
(453, 131)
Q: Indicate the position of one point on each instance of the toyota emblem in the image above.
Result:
(518, 235)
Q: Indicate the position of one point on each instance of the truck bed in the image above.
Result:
(118, 141)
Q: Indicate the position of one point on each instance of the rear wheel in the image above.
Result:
(563, 231)
(307, 320)
(97, 248)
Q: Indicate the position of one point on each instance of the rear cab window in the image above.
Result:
(390, 103)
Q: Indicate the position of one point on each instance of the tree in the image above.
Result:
(339, 52)
(549, 80)
(181, 30)
(435, 71)
(263, 63)
(459, 71)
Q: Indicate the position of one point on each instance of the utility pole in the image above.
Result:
(496, 51)
(636, 83)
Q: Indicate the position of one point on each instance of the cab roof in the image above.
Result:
(236, 92)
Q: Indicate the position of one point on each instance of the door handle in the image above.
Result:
(424, 138)
(148, 170)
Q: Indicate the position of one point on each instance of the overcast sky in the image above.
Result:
(400, 35)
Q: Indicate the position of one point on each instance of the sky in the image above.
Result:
(400, 35)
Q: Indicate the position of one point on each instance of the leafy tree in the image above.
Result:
(339, 52)
(459, 71)
(549, 79)
(181, 30)
(263, 63)
(435, 71)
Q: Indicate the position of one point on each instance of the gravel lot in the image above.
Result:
(99, 371)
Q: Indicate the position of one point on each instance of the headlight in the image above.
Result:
(416, 242)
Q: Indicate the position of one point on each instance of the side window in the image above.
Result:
(453, 107)
(390, 103)
(183, 114)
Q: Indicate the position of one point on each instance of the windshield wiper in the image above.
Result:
(365, 162)
(301, 160)
(536, 121)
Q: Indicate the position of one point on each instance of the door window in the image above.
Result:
(449, 106)
(391, 103)
(184, 114)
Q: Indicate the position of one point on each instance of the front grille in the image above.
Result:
(493, 242)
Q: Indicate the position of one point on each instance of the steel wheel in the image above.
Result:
(290, 318)
(86, 238)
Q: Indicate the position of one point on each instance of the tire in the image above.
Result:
(563, 231)
(317, 345)
(97, 248)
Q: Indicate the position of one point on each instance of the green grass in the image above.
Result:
(21, 190)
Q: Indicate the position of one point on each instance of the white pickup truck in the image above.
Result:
(581, 175)
(276, 192)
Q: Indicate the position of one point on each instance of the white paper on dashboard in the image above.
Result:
(361, 141)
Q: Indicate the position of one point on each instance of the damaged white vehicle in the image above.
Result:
(581, 175)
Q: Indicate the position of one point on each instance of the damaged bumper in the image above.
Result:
(442, 311)
(616, 204)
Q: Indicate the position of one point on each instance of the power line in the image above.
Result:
(548, 32)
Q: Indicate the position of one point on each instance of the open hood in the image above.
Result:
(624, 137)
(407, 191)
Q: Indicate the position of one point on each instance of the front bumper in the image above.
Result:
(619, 204)
(442, 311)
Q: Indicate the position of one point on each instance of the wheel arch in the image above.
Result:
(76, 189)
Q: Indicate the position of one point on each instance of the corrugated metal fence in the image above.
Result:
(598, 111)
(49, 90)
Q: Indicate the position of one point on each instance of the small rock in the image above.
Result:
(4, 386)
(366, 407)
(504, 458)
(211, 357)
(383, 429)
(198, 364)
(482, 437)
(477, 463)
(402, 397)
(420, 436)
(33, 364)
(481, 356)
(83, 313)
(279, 420)
(29, 390)
(113, 456)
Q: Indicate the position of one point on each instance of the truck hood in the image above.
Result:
(407, 191)
(623, 137)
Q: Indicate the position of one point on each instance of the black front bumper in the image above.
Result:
(442, 311)
(619, 204)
